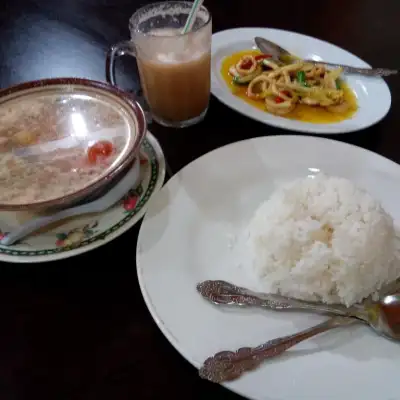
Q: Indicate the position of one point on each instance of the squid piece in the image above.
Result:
(286, 77)
(270, 64)
(331, 77)
(315, 71)
(259, 87)
(329, 82)
(287, 68)
(246, 66)
(279, 108)
(309, 101)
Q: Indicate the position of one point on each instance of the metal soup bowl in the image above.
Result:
(47, 130)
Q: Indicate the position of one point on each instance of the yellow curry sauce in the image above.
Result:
(302, 112)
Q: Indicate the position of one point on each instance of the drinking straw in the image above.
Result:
(192, 16)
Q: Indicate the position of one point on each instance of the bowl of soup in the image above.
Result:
(63, 140)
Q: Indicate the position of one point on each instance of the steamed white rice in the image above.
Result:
(323, 239)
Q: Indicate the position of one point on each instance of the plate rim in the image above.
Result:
(139, 268)
(26, 259)
(279, 122)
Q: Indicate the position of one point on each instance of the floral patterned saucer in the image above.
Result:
(81, 234)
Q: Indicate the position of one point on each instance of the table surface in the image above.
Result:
(79, 328)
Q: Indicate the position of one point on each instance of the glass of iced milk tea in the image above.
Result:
(174, 67)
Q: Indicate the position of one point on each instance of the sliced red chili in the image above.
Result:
(262, 57)
(279, 100)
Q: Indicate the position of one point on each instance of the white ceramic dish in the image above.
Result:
(372, 94)
(192, 232)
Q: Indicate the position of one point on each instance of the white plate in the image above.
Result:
(192, 232)
(81, 234)
(372, 94)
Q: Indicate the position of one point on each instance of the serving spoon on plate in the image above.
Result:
(280, 54)
(383, 316)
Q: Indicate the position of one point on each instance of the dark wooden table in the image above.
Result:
(78, 328)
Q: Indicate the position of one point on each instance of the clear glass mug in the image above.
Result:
(174, 68)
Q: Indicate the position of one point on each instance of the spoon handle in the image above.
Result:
(355, 70)
(230, 365)
(40, 222)
(225, 293)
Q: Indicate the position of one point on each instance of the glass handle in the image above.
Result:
(118, 50)
(121, 49)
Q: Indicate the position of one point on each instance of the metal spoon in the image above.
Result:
(230, 365)
(127, 182)
(382, 316)
(279, 53)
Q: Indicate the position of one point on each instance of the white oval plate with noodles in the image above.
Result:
(373, 94)
(193, 232)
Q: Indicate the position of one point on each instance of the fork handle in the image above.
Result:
(230, 365)
(356, 70)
